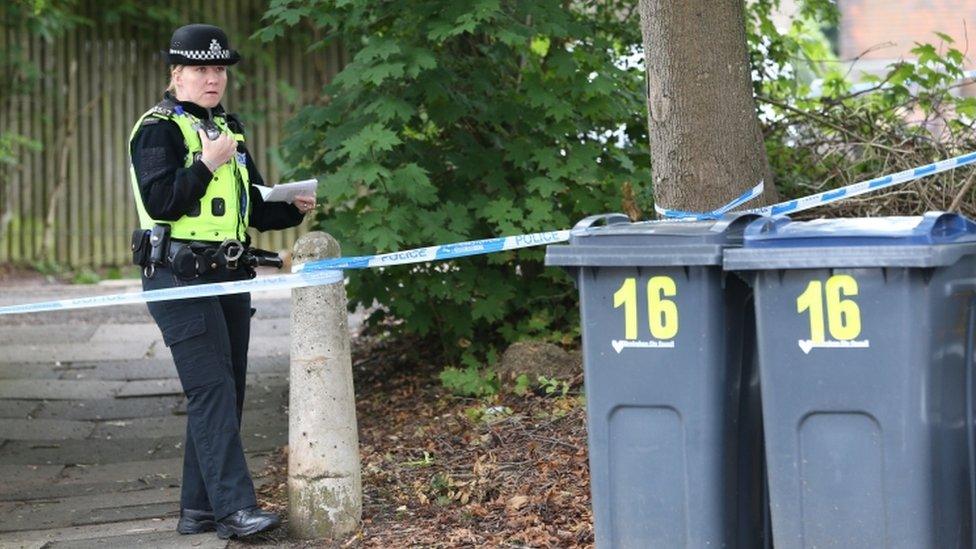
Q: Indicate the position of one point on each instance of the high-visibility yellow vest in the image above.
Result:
(230, 183)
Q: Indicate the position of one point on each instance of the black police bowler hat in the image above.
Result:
(200, 45)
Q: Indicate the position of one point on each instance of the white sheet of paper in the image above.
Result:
(286, 192)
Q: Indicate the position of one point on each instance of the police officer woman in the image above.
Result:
(192, 179)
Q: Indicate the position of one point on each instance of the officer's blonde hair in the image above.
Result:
(173, 69)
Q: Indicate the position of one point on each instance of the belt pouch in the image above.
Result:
(184, 263)
(140, 247)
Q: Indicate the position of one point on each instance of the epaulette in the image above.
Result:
(166, 107)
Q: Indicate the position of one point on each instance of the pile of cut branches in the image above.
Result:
(920, 112)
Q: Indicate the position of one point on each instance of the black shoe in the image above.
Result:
(246, 522)
(196, 522)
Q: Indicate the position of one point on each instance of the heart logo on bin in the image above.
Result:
(807, 345)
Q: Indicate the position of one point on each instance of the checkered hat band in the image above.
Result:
(202, 55)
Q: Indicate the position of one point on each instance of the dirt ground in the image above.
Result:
(444, 471)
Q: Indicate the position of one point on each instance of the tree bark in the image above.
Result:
(706, 143)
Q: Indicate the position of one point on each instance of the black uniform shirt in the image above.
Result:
(170, 190)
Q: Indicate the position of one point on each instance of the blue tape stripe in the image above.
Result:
(967, 159)
(830, 196)
(780, 208)
(874, 183)
(464, 249)
(924, 170)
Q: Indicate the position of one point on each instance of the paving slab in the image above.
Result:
(261, 421)
(41, 538)
(56, 389)
(57, 349)
(127, 512)
(111, 333)
(19, 408)
(150, 387)
(157, 540)
(107, 408)
(48, 452)
(28, 429)
(269, 345)
(122, 370)
(76, 480)
(87, 509)
(170, 468)
(11, 476)
(29, 370)
(116, 314)
(262, 327)
(23, 492)
(160, 367)
(102, 451)
(171, 386)
(41, 334)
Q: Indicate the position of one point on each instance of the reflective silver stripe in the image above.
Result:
(202, 54)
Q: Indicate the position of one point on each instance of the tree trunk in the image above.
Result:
(706, 143)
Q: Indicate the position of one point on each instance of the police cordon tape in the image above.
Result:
(275, 282)
(871, 185)
(328, 271)
(437, 253)
(835, 195)
(714, 214)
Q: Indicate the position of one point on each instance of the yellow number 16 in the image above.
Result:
(662, 314)
(843, 315)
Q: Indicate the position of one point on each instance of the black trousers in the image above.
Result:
(208, 338)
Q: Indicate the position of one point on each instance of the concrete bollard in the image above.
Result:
(324, 481)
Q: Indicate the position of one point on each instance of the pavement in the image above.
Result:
(92, 419)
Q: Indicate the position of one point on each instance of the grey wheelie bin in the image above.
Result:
(673, 416)
(865, 331)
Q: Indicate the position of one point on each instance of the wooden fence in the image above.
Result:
(71, 201)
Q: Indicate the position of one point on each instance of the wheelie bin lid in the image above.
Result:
(620, 243)
(930, 240)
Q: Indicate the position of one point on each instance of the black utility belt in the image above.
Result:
(154, 248)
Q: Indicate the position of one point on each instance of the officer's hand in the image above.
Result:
(305, 204)
(215, 153)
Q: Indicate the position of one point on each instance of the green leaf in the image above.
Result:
(412, 181)
(377, 49)
(956, 56)
(387, 108)
(501, 212)
(925, 53)
(966, 106)
(371, 139)
(901, 72)
(376, 74)
(545, 186)
(420, 60)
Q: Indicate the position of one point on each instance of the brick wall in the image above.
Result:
(890, 28)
